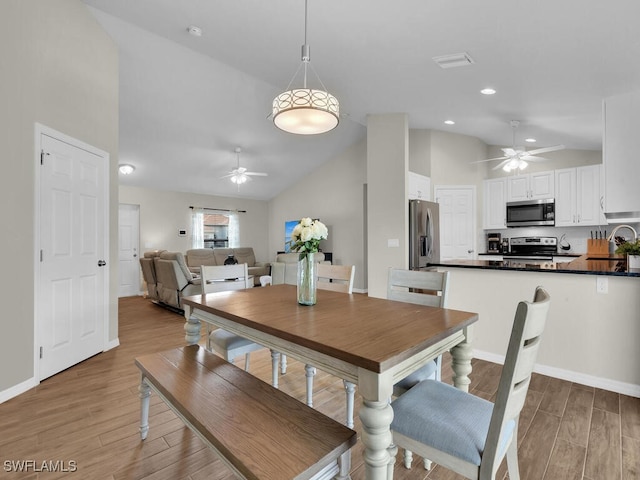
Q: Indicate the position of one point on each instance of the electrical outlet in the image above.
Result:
(602, 284)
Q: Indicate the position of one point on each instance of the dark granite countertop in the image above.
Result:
(612, 265)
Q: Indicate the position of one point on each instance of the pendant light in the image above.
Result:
(306, 111)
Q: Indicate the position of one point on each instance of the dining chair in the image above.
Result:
(465, 433)
(422, 287)
(219, 278)
(337, 278)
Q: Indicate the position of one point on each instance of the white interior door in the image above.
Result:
(72, 306)
(128, 247)
(457, 221)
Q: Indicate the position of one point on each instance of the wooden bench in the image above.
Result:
(257, 430)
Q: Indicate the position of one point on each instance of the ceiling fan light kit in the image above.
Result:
(240, 175)
(306, 111)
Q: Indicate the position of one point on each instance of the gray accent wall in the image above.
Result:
(60, 69)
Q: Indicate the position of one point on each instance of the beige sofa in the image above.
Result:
(285, 268)
(216, 256)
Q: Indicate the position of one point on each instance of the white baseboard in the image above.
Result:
(576, 377)
(360, 290)
(111, 344)
(16, 390)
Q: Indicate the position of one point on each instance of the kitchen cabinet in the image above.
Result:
(621, 144)
(530, 186)
(578, 197)
(419, 187)
(494, 200)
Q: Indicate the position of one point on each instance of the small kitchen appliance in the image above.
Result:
(494, 242)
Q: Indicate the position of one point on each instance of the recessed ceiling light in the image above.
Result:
(530, 140)
(126, 169)
(487, 91)
(195, 31)
(449, 122)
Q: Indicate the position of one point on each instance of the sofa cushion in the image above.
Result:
(179, 258)
(221, 255)
(198, 257)
(245, 255)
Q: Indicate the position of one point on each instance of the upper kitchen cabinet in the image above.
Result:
(530, 186)
(578, 196)
(419, 187)
(621, 144)
(494, 199)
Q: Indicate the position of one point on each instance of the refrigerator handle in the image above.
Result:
(429, 230)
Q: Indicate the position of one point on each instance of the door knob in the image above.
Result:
(101, 263)
(469, 251)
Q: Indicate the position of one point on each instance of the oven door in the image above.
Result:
(530, 213)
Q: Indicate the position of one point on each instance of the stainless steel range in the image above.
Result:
(532, 248)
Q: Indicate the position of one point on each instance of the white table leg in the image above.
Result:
(191, 327)
(376, 417)
(461, 364)
(145, 392)
(310, 372)
(275, 356)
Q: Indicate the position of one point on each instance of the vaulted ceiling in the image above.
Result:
(187, 102)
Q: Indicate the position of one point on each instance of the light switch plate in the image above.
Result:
(393, 242)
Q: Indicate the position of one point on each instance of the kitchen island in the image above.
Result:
(585, 264)
(593, 329)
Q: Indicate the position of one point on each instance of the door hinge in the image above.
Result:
(41, 254)
(42, 157)
(40, 352)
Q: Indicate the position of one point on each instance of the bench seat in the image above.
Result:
(259, 431)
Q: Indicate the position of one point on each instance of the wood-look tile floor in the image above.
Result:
(89, 414)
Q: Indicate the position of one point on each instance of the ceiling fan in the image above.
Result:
(240, 175)
(518, 158)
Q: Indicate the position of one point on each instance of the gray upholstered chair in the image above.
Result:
(147, 264)
(174, 279)
(465, 433)
(220, 278)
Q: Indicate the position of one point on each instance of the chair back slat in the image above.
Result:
(516, 375)
(422, 287)
(220, 278)
(338, 278)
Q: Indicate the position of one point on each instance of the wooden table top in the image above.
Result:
(371, 333)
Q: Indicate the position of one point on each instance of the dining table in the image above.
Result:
(371, 342)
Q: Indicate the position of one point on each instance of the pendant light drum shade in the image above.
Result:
(306, 111)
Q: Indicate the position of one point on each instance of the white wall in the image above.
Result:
(590, 338)
(163, 213)
(334, 194)
(60, 69)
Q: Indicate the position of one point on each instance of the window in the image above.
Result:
(214, 228)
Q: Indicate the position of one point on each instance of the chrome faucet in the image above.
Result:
(612, 235)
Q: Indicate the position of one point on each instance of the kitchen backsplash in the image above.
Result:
(574, 236)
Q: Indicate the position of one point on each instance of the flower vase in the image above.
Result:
(633, 261)
(307, 278)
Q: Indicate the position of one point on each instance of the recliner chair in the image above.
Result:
(174, 280)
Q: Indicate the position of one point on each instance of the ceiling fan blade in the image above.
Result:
(510, 152)
(258, 174)
(227, 175)
(490, 159)
(501, 164)
(545, 149)
(532, 158)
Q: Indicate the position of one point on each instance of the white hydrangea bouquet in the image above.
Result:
(306, 235)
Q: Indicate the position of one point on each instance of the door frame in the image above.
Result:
(39, 130)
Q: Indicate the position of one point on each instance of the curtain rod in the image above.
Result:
(218, 209)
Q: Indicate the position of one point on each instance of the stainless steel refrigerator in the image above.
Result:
(424, 233)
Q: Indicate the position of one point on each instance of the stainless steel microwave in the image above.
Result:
(531, 213)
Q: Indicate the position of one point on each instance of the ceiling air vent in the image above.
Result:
(455, 60)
